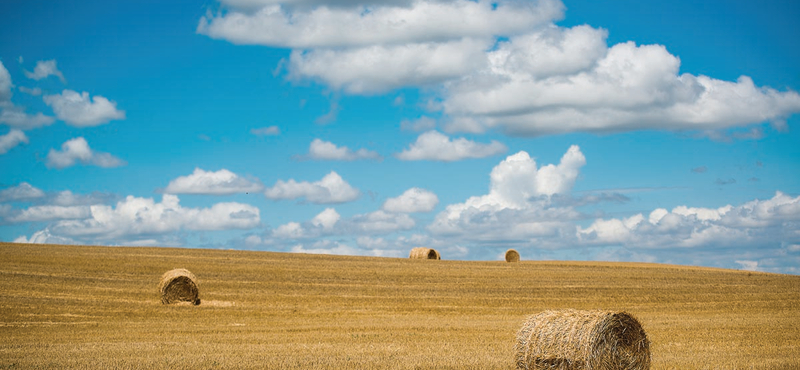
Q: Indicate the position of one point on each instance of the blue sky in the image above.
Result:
(630, 131)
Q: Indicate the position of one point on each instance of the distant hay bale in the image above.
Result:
(512, 256)
(179, 285)
(424, 253)
(585, 340)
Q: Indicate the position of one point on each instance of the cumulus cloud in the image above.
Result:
(23, 191)
(11, 140)
(136, 217)
(45, 237)
(761, 221)
(339, 248)
(12, 115)
(625, 87)
(436, 146)
(77, 150)
(329, 222)
(380, 23)
(518, 205)
(412, 200)
(326, 219)
(330, 189)
(50, 213)
(325, 150)
(45, 68)
(17, 118)
(81, 110)
(222, 182)
(501, 66)
(380, 68)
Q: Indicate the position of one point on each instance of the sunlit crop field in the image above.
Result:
(99, 307)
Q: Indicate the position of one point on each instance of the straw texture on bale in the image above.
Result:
(424, 253)
(179, 285)
(585, 340)
(512, 256)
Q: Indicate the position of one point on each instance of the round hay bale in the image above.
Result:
(512, 256)
(179, 285)
(424, 253)
(586, 340)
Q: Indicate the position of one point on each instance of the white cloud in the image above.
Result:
(31, 91)
(500, 65)
(379, 68)
(5, 85)
(433, 145)
(338, 248)
(329, 222)
(412, 200)
(50, 213)
(748, 265)
(45, 68)
(222, 182)
(517, 206)
(135, 217)
(67, 198)
(77, 150)
(380, 222)
(326, 219)
(11, 140)
(380, 23)
(578, 85)
(23, 191)
(759, 221)
(16, 117)
(291, 230)
(257, 4)
(79, 110)
(419, 125)
(45, 237)
(325, 150)
(266, 131)
(330, 189)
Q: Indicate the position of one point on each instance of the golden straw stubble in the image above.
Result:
(586, 340)
(179, 285)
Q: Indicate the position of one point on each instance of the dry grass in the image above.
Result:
(74, 307)
(578, 340)
(177, 286)
(424, 253)
(512, 255)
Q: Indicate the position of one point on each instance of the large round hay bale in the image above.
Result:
(179, 285)
(586, 340)
(512, 256)
(424, 253)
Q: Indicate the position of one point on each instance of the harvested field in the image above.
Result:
(100, 307)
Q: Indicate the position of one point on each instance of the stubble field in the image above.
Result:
(99, 307)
